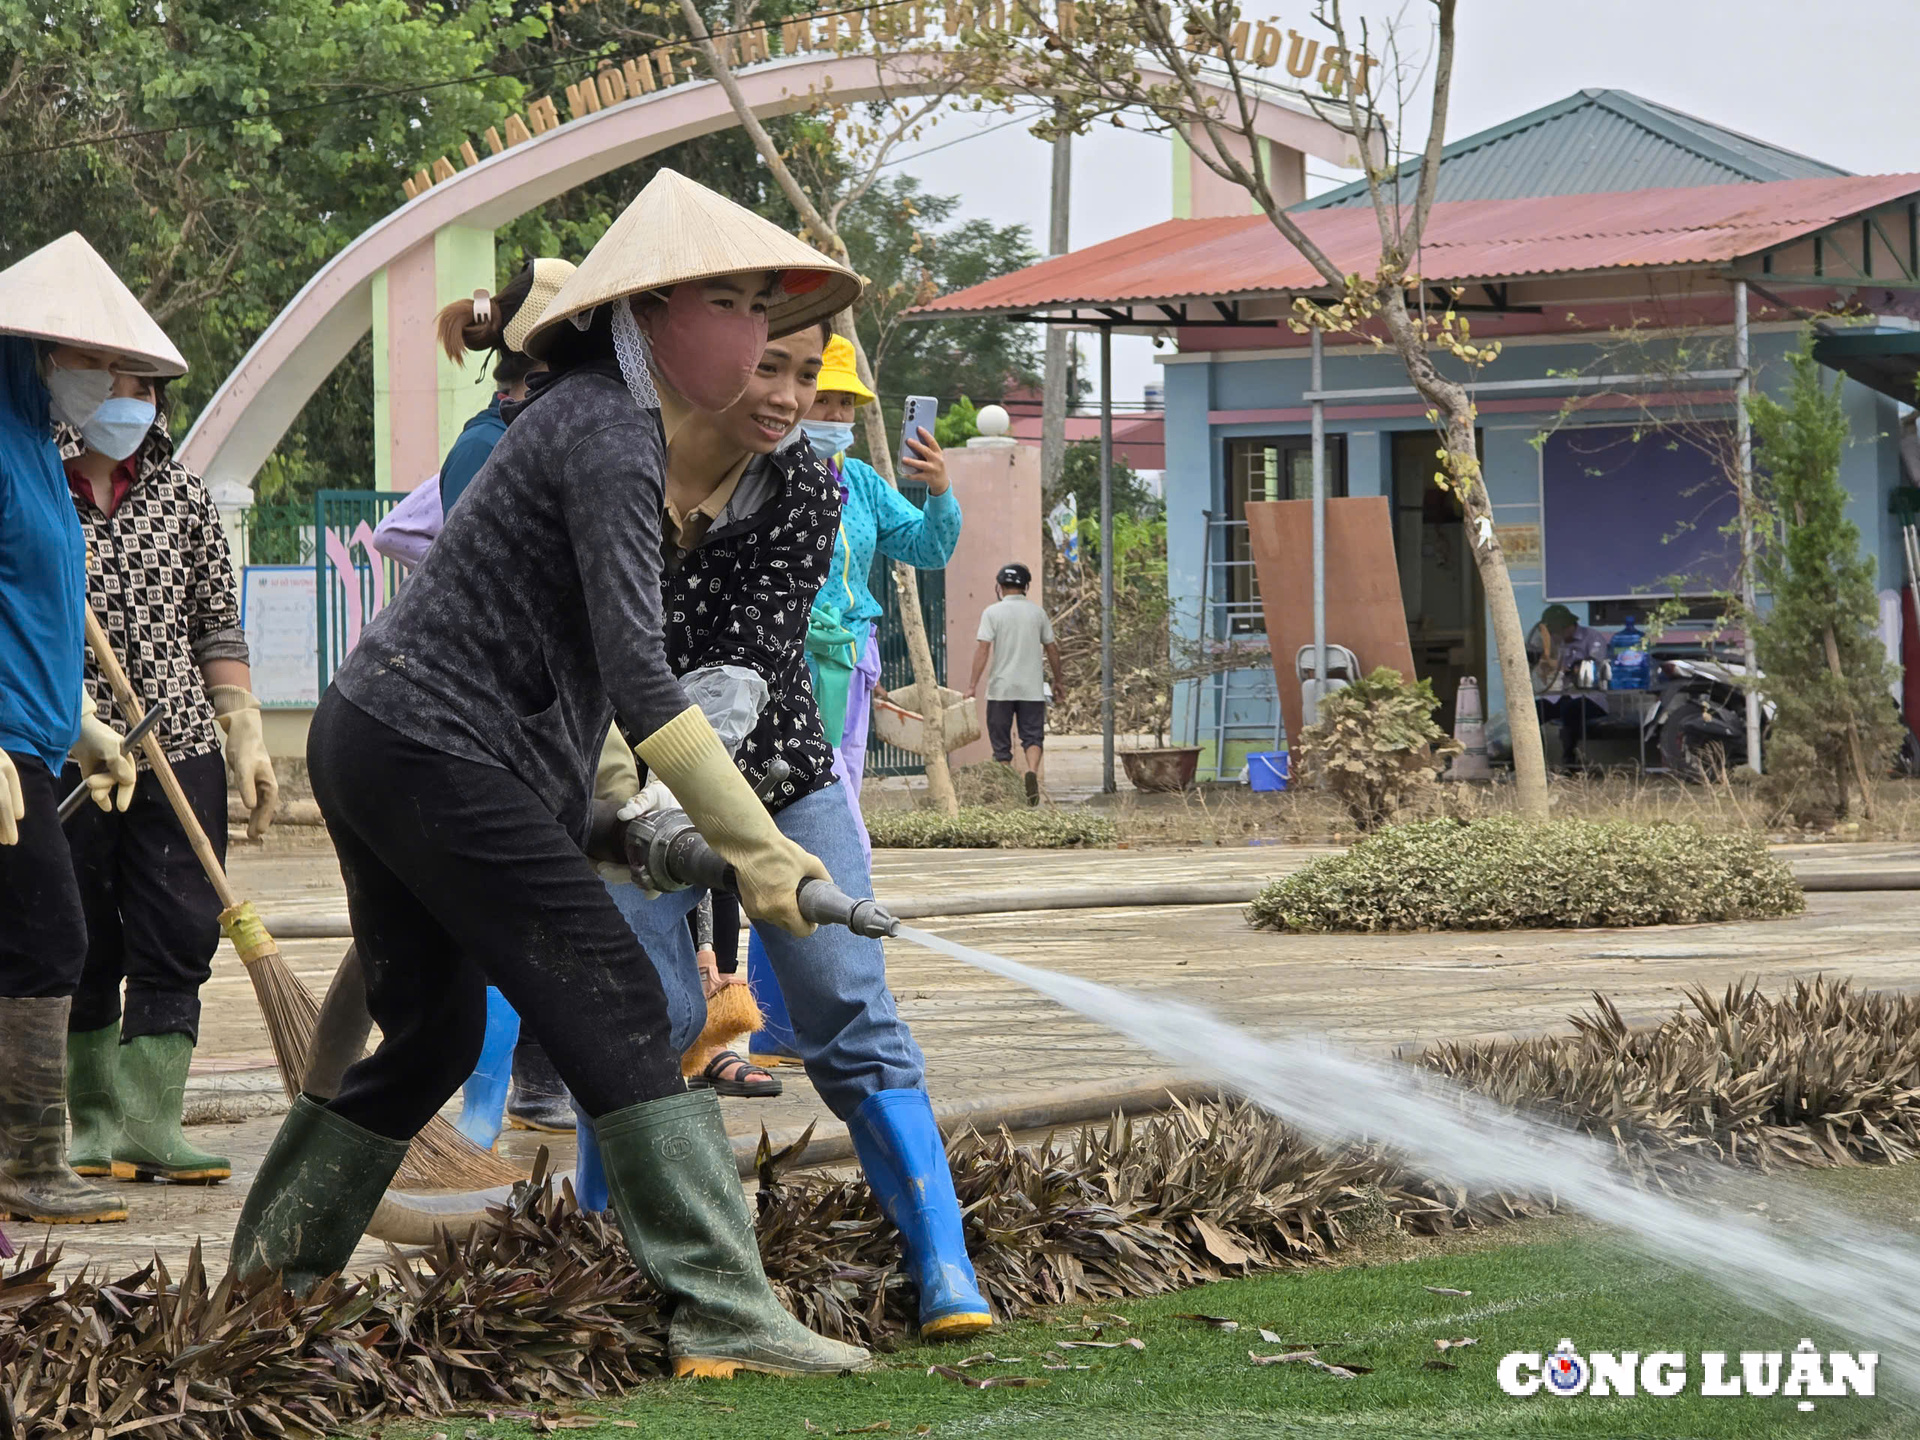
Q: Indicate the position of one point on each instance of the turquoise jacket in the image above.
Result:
(878, 517)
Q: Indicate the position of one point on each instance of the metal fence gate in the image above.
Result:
(895, 668)
(349, 591)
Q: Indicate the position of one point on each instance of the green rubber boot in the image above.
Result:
(92, 1105)
(678, 1197)
(318, 1186)
(152, 1087)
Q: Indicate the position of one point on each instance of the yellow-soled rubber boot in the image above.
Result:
(677, 1194)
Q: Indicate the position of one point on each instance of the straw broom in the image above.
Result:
(440, 1158)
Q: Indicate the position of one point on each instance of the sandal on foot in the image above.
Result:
(728, 1074)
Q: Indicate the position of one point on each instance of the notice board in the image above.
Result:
(283, 634)
(1629, 511)
(1364, 609)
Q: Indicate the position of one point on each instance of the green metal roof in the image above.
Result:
(1593, 142)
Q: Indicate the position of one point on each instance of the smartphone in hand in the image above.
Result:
(922, 411)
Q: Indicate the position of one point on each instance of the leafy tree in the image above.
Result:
(217, 153)
(1825, 668)
(903, 241)
(1080, 478)
(257, 139)
(1183, 67)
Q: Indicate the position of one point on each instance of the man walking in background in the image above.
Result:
(1014, 634)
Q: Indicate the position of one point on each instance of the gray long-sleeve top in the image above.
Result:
(536, 615)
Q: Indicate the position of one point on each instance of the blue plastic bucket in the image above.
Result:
(1267, 770)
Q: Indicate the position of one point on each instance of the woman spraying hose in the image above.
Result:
(751, 516)
(498, 326)
(453, 758)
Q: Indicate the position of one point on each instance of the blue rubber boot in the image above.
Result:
(484, 1097)
(589, 1176)
(906, 1163)
(774, 1040)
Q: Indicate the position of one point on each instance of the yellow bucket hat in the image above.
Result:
(838, 373)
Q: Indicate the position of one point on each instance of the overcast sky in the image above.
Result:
(1830, 80)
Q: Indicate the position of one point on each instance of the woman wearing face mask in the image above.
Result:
(875, 516)
(161, 583)
(752, 516)
(498, 326)
(453, 757)
(67, 326)
(843, 649)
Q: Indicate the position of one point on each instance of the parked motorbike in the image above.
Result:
(1698, 727)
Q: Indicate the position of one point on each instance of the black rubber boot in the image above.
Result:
(677, 1194)
(319, 1185)
(540, 1100)
(36, 1183)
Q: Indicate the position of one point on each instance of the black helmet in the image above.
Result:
(1014, 574)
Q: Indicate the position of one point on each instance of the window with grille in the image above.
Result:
(1267, 468)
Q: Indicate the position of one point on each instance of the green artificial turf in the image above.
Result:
(1193, 1382)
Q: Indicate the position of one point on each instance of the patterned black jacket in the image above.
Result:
(743, 597)
(160, 581)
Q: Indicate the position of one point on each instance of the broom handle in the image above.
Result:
(133, 712)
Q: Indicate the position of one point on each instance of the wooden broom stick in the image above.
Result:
(133, 712)
(440, 1156)
(291, 1011)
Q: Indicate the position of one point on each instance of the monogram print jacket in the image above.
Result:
(743, 597)
(160, 581)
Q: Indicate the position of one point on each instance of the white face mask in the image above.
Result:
(78, 394)
(118, 426)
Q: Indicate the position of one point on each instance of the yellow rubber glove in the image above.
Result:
(238, 713)
(13, 804)
(104, 762)
(688, 756)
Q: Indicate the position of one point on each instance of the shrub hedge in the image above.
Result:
(980, 828)
(1503, 874)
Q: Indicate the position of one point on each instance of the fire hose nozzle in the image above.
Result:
(664, 851)
(825, 903)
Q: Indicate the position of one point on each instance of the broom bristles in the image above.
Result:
(440, 1157)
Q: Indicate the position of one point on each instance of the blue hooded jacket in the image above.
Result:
(43, 571)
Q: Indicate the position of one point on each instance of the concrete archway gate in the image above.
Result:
(438, 246)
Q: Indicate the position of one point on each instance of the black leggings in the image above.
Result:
(43, 931)
(458, 877)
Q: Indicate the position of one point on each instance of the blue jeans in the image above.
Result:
(848, 1032)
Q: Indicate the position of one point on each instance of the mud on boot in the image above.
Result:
(318, 1186)
(151, 1085)
(677, 1194)
(93, 1106)
(36, 1183)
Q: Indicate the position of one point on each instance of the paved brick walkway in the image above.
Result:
(985, 1038)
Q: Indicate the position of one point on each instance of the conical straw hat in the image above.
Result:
(66, 293)
(549, 275)
(677, 230)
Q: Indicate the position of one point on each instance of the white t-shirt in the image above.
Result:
(1019, 632)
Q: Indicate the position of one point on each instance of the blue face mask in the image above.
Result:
(118, 426)
(828, 438)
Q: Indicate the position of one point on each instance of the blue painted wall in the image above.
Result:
(1196, 479)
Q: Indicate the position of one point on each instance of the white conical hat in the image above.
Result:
(677, 230)
(66, 293)
(549, 275)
